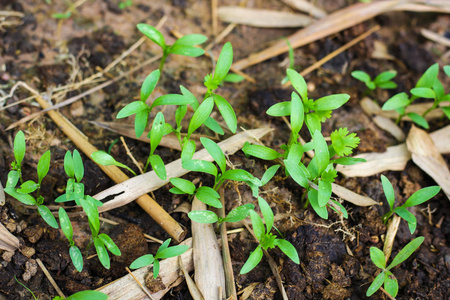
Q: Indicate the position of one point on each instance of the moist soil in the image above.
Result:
(47, 53)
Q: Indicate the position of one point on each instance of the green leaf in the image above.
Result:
(361, 76)
(200, 166)
(47, 215)
(268, 175)
(43, 166)
(342, 210)
(376, 284)
(171, 251)
(418, 119)
(143, 261)
(422, 196)
(66, 226)
(158, 166)
(396, 101)
(388, 191)
(258, 225)
(238, 175)
(68, 164)
(103, 255)
(183, 185)
(227, 112)
(408, 217)
(266, 212)
(324, 192)
(377, 257)
(93, 216)
(385, 77)
(156, 267)
(234, 78)
(347, 161)
(216, 153)
(153, 34)
(13, 179)
(91, 295)
(239, 213)
(78, 191)
(281, 109)
(201, 114)
(321, 151)
(62, 16)
(423, 92)
(171, 99)
(296, 173)
(179, 114)
(28, 187)
(406, 252)
(78, 165)
(102, 158)
(163, 246)
(24, 198)
(297, 114)
(288, 249)
(131, 109)
(261, 152)
(446, 110)
(77, 258)
(314, 201)
(109, 243)
(342, 142)
(447, 70)
(387, 85)
(203, 216)
(390, 284)
(298, 82)
(157, 131)
(191, 40)
(428, 78)
(188, 151)
(252, 261)
(312, 121)
(19, 147)
(149, 84)
(223, 63)
(209, 196)
(331, 102)
(187, 50)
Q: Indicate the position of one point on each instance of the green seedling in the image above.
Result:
(182, 46)
(28, 192)
(319, 175)
(73, 166)
(417, 198)
(164, 251)
(125, 4)
(27, 288)
(266, 239)
(104, 159)
(386, 277)
(85, 295)
(427, 87)
(291, 61)
(382, 81)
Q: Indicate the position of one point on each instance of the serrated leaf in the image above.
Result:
(377, 257)
(418, 119)
(203, 216)
(223, 63)
(183, 185)
(208, 196)
(227, 112)
(216, 153)
(396, 101)
(298, 82)
(252, 261)
(143, 261)
(281, 109)
(152, 33)
(47, 215)
(422, 196)
(288, 249)
(103, 255)
(201, 114)
(388, 191)
(261, 152)
(331, 102)
(149, 84)
(406, 252)
(77, 258)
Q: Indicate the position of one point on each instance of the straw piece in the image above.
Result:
(352, 197)
(307, 7)
(50, 278)
(390, 126)
(8, 241)
(391, 232)
(193, 289)
(435, 37)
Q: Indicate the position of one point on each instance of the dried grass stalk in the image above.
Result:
(8, 241)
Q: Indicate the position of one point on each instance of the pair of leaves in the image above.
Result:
(74, 251)
(386, 277)
(382, 80)
(103, 242)
(73, 165)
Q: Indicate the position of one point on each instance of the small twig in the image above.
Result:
(152, 238)
(108, 221)
(214, 17)
(131, 155)
(386, 293)
(50, 278)
(142, 287)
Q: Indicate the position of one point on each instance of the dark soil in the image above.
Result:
(334, 254)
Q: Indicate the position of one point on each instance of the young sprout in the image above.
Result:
(386, 277)
(164, 251)
(182, 46)
(382, 81)
(417, 198)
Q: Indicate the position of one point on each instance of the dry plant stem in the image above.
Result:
(435, 37)
(273, 266)
(386, 293)
(214, 19)
(129, 190)
(2, 195)
(144, 289)
(131, 155)
(230, 287)
(193, 289)
(50, 278)
(220, 37)
(307, 7)
(209, 271)
(145, 201)
(8, 241)
(335, 53)
(391, 232)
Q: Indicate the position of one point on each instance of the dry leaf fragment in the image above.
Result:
(307, 7)
(262, 17)
(8, 241)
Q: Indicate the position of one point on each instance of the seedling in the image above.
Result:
(428, 87)
(291, 60)
(85, 295)
(182, 46)
(386, 277)
(320, 173)
(266, 239)
(417, 198)
(164, 251)
(125, 4)
(382, 81)
(29, 191)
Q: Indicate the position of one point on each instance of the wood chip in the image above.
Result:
(262, 17)
(426, 155)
